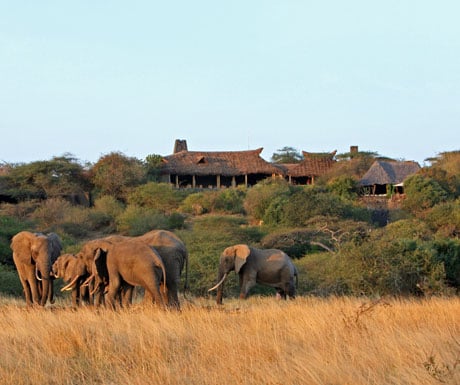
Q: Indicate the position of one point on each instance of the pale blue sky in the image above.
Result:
(92, 77)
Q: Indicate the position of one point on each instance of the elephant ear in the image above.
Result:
(242, 253)
(55, 246)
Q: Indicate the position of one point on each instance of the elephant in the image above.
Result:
(120, 266)
(66, 267)
(174, 255)
(33, 255)
(270, 267)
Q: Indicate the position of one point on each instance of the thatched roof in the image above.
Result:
(226, 163)
(388, 172)
(313, 164)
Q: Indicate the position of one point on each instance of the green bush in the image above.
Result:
(391, 266)
(343, 186)
(260, 197)
(199, 203)
(9, 282)
(444, 219)
(295, 243)
(161, 197)
(447, 251)
(422, 193)
(102, 217)
(9, 227)
(310, 202)
(136, 220)
(230, 201)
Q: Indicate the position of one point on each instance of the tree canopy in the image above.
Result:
(287, 155)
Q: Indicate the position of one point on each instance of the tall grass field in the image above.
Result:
(258, 341)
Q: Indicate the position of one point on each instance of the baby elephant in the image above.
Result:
(270, 267)
(67, 267)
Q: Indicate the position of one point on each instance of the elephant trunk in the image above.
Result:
(45, 270)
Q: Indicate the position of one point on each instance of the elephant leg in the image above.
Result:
(26, 289)
(126, 293)
(246, 285)
(75, 292)
(291, 290)
(172, 294)
(33, 285)
(114, 287)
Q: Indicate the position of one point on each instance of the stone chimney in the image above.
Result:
(180, 145)
(353, 149)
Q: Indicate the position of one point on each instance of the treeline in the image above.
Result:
(342, 244)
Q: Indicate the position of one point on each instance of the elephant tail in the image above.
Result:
(186, 286)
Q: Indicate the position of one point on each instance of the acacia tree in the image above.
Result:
(287, 155)
(113, 174)
(61, 176)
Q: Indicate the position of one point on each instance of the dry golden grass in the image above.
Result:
(258, 341)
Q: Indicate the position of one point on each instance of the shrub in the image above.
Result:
(382, 266)
(51, 213)
(103, 215)
(259, 197)
(161, 197)
(9, 282)
(9, 227)
(136, 220)
(344, 186)
(444, 219)
(310, 202)
(199, 203)
(295, 243)
(422, 193)
(230, 201)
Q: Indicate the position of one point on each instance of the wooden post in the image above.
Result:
(246, 180)
(218, 181)
(177, 181)
(233, 181)
(193, 181)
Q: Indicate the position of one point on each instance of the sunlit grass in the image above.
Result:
(258, 341)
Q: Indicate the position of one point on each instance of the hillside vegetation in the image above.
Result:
(341, 243)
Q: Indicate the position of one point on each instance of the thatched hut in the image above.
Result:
(383, 175)
(210, 169)
(312, 166)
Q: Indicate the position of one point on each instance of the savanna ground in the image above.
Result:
(259, 341)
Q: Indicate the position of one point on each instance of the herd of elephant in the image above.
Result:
(106, 270)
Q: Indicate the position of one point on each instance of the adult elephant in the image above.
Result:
(270, 267)
(66, 267)
(122, 265)
(33, 255)
(174, 255)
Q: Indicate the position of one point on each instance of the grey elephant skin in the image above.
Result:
(270, 267)
(67, 267)
(33, 255)
(122, 265)
(174, 255)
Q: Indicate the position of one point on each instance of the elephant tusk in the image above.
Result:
(36, 273)
(219, 283)
(95, 289)
(88, 280)
(70, 285)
